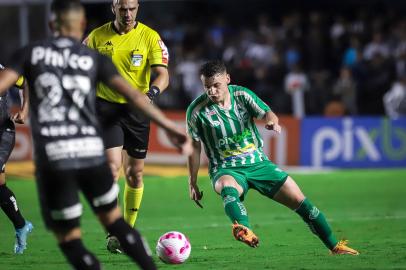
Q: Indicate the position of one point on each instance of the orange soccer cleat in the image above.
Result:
(244, 234)
(342, 248)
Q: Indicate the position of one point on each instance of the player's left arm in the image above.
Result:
(272, 122)
(259, 109)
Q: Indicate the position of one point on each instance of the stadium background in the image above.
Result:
(335, 46)
(343, 55)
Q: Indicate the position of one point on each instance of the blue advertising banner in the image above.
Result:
(353, 142)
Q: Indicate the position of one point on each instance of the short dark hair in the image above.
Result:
(213, 67)
(60, 6)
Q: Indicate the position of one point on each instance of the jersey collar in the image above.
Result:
(113, 26)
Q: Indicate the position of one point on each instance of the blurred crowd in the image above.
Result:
(303, 63)
(300, 58)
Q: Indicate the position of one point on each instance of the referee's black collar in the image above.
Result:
(116, 30)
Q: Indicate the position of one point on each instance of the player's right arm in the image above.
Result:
(193, 165)
(177, 136)
(108, 74)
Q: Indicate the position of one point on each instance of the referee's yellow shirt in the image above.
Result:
(133, 54)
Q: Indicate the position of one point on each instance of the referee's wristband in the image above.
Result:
(153, 92)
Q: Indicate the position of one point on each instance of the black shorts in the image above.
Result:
(7, 142)
(121, 126)
(58, 192)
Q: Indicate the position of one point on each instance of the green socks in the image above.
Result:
(234, 208)
(317, 223)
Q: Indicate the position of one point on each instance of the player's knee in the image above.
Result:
(134, 177)
(223, 183)
(290, 194)
(66, 235)
(115, 170)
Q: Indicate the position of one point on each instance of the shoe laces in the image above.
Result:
(342, 243)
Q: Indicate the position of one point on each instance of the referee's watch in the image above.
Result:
(153, 92)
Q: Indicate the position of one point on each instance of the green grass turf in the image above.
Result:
(365, 206)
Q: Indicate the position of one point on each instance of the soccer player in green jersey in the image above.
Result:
(223, 120)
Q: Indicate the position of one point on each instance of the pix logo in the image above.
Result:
(357, 143)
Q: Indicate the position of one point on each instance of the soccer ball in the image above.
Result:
(173, 247)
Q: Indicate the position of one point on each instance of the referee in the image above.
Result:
(137, 51)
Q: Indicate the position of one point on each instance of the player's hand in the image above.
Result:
(272, 126)
(19, 117)
(181, 141)
(195, 194)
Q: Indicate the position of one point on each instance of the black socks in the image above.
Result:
(8, 203)
(78, 256)
(132, 244)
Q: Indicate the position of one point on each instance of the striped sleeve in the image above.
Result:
(256, 106)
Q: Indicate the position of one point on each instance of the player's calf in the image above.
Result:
(8, 204)
(317, 223)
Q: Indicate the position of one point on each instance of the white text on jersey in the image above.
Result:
(61, 59)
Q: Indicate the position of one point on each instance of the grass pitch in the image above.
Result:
(365, 206)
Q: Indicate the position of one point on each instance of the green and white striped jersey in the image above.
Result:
(230, 136)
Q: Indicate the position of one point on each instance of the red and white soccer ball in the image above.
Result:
(173, 247)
